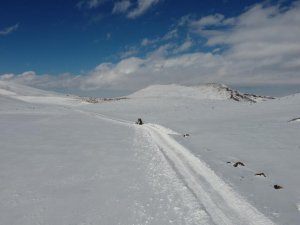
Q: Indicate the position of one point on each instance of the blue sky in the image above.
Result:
(60, 36)
(123, 45)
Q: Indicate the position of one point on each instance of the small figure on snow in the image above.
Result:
(139, 121)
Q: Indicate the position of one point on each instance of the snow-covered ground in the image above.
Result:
(63, 161)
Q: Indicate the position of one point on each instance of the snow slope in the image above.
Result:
(28, 94)
(14, 89)
(63, 163)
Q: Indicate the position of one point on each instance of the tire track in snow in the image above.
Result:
(225, 206)
(106, 118)
(222, 203)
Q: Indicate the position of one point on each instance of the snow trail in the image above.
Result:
(222, 203)
(105, 117)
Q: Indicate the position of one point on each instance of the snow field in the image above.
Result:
(63, 161)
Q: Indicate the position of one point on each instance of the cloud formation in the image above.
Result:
(9, 30)
(128, 52)
(186, 45)
(131, 8)
(142, 7)
(259, 47)
(90, 4)
(122, 6)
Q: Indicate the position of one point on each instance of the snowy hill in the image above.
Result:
(33, 95)
(205, 91)
(66, 162)
(14, 89)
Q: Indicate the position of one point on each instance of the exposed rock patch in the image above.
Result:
(95, 100)
(238, 164)
(276, 186)
(261, 174)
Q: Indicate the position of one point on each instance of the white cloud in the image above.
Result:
(186, 45)
(44, 81)
(147, 41)
(142, 7)
(9, 30)
(90, 4)
(170, 34)
(167, 37)
(130, 51)
(208, 20)
(263, 48)
(122, 6)
(161, 52)
(132, 10)
(109, 75)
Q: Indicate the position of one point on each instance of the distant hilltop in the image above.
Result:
(211, 91)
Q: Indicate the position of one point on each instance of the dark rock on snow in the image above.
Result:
(276, 186)
(260, 174)
(238, 164)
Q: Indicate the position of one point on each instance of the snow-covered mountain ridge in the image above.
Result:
(205, 91)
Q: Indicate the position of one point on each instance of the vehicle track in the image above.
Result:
(221, 202)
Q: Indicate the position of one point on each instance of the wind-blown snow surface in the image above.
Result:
(90, 164)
